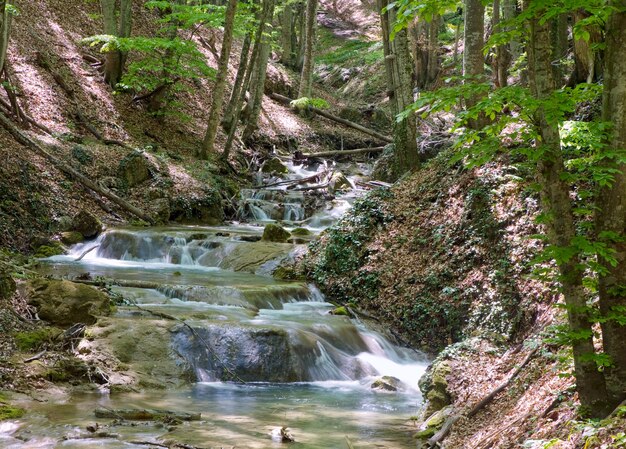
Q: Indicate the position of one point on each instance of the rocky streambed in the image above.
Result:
(201, 327)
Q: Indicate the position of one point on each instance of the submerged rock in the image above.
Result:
(386, 383)
(65, 303)
(86, 224)
(275, 233)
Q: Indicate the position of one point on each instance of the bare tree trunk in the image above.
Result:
(117, 22)
(399, 70)
(586, 68)
(227, 121)
(473, 59)
(260, 72)
(433, 66)
(217, 100)
(306, 78)
(561, 45)
(509, 11)
(286, 38)
(555, 198)
(5, 32)
(611, 214)
(503, 58)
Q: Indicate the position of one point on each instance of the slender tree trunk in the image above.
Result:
(260, 73)
(561, 44)
(433, 66)
(509, 11)
(286, 38)
(5, 32)
(399, 70)
(306, 78)
(555, 198)
(473, 59)
(301, 24)
(217, 100)
(612, 207)
(227, 121)
(586, 67)
(503, 58)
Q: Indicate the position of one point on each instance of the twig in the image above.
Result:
(35, 357)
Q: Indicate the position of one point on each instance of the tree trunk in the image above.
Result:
(119, 27)
(509, 11)
(433, 66)
(227, 121)
(555, 199)
(399, 70)
(260, 72)
(503, 58)
(586, 68)
(473, 59)
(561, 45)
(286, 36)
(217, 100)
(612, 206)
(5, 31)
(306, 78)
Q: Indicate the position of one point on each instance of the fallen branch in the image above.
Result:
(329, 116)
(311, 178)
(118, 282)
(344, 152)
(145, 414)
(445, 430)
(35, 357)
(69, 171)
(86, 252)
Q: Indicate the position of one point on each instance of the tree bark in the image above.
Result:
(306, 78)
(227, 121)
(612, 206)
(5, 31)
(217, 100)
(503, 58)
(260, 73)
(286, 36)
(586, 67)
(473, 59)
(119, 27)
(555, 199)
(399, 71)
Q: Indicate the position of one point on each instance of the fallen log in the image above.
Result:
(145, 414)
(344, 152)
(334, 118)
(70, 172)
(118, 282)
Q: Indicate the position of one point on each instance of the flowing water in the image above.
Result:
(260, 353)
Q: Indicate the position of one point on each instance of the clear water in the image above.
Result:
(334, 359)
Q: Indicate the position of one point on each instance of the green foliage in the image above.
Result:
(353, 53)
(344, 250)
(407, 10)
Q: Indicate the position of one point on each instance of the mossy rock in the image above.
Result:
(386, 383)
(7, 285)
(300, 232)
(135, 169)
(9, 412)
(87, 224)
(33, 340)
(71, 237)
(64, 303)
(274, 165)
(437, 389)
(342, 311)
(49, 250)
(275, 233)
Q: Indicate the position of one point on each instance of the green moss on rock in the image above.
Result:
(71, 237)
(49, 250)
(33, 340)
(300, 232)
(275, 233)
(9, 412)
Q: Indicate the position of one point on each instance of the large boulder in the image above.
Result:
(64, 303)
(275, 233)
(87, 224)
(434, 386)
(135, 169)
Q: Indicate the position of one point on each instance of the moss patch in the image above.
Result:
(33, 340)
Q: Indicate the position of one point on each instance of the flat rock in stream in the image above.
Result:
(145, 414)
